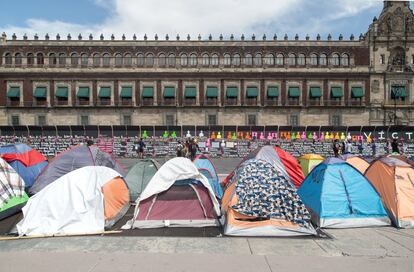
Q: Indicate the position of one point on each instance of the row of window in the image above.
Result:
(190, 94)
(171, 60)
(171, 120)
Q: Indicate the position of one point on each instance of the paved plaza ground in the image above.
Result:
(374, 249)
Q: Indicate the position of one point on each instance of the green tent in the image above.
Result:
(139, 176)
(308, 161)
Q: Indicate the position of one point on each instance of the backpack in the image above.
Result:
(193, 148)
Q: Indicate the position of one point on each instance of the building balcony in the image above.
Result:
(83, 102)
(104, 102)
(356, 102)
(61, 102)
(335, 102)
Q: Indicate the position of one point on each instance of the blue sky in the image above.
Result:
(188, 17)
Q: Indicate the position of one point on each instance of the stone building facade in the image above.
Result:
(239, 81)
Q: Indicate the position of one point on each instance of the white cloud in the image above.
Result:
(205, 17)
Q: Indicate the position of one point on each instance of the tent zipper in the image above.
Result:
(346, 192)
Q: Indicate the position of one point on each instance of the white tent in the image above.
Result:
(172, 172)
(74, 203)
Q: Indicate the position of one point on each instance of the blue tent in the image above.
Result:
(339, 196)
(206, 168)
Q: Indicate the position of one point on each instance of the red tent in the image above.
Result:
(282, 160)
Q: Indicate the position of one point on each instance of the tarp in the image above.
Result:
(339, 196)
(12, 195)
(394, 181)
(163, 188)
(139, 176)
(72, 159)
(206, 168)
(308, 161)
(284, 162)
(260, 201)
(27, 161)
(83, 201)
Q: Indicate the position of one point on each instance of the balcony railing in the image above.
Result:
(356, 102)
(314, 102)
(104, 102)
(272, 102)
(231, 102)
(126, 102)
(83, 102)
(62, 102)
(169, 102)
(189, 102)
(334, 102)
(251, 101)
(211, 102)
(293, 102)
(148, 101)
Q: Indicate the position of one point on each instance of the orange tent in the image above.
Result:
(357, 162)
(259, 201)
(394, 181)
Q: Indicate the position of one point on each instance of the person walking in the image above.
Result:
(139, 147)
(336, 146)
(374, 148)
(180, 149)
(394, 147)
(360, 147)
(193, 148)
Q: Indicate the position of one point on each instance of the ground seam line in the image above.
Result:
(267, 262)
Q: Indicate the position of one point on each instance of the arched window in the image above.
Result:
(280, 59)
(149, 60)
(269, 59)
(236, 60)
(118, 60)
(248, 60)
(184, 60)
(8, 59)
(215, 60)
(258, 60)
(84, 59)
(140, 59)
(40, 59)
(74, 59)
(18, 59)
(161, 60)
(322, 60)
(62, 59)
(128, 59)
(193, 60)
(96, 60)
(301, 59)
(345, 60)
(292, 59)
(171, 60)
(313, 60)
(106, 59)
(227, 59)
(334, 60)
(30, 59)
(206, 60)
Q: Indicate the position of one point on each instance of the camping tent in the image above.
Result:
(339, 196)
(308, 161)
(280, 159)
(139, 176)
(12, 195)
(260, 201)
(72, 159)
(394, 181)
(356, 161)
(177, 195)
(27, 162)
(206, 167)
(86, 200)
